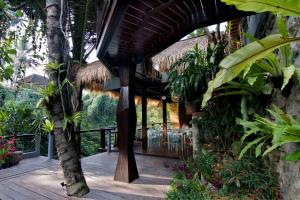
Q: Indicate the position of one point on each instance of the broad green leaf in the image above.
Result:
(281, 25)
(275, 146)
(8, 72)
(258, 150)
(249, 145)
(11, 51)
(19, 13)
(288, 72)
(235, 63)
(282, 7)
(297, 72)
(292, 156)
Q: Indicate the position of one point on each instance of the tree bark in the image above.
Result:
(68, 155)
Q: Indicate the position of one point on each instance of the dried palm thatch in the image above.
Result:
(93, 76)
(165, 59)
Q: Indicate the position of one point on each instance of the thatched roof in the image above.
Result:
(163, 61)
(35, 79)
(93, 76)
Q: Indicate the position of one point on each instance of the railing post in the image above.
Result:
(50, 146)
(37, 145)
(109, 141)
(102, 140)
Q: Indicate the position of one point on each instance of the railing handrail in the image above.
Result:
(18, 136)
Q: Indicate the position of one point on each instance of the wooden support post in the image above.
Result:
(102, 140)
(182, 114)
(144, 122)
(165, 128)
(126, 170)
(109, 142)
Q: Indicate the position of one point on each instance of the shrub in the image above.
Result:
(249, 176)
(188, 189)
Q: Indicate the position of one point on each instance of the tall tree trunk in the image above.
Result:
(68, 156)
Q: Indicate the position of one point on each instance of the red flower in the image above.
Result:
(13, 149)
(12, 141)
(1, 137)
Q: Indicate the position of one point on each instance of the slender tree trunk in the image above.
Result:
(68, 155)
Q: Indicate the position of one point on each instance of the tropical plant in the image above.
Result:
(281, 7)
(217, 123)
(24, 58)
(281, 130)
(6, 52)
(7, 18)
(259, 52)
(248, 177)
(190, 74)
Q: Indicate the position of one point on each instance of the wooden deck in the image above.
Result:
(37, 178)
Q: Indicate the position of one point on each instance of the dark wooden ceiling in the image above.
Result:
(142, 28)
(133, 30)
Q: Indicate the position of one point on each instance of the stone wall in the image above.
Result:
(289, 172)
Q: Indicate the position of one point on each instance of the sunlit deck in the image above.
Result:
(37, 178)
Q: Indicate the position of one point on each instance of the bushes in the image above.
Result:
(248, 177)
(213, 176)
(218, 123)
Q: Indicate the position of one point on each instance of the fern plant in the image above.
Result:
(281, 130)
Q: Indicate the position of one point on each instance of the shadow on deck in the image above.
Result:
(38, 178)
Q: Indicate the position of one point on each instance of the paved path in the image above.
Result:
(39, 179)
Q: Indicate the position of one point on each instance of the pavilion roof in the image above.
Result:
(166, 58)
(132, 30)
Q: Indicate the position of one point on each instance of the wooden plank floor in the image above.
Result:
(39, 179)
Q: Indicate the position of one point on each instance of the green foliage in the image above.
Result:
(90, 143)
(53, 68)
(98, 111)
(197, 33)
(257, 53)
(74, 119)
(190, 74)
(279, 131)
(248, 176)
(282, 7)
(202, 164)
(6, 53)
(188, 190)
(217, 123)
(48, 126)
(3, 122)
(21, 114)
(46, 94)
(188, 182)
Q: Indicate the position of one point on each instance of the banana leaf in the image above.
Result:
(234, 64)
(282, 7)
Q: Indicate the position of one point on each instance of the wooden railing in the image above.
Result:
(179, 144)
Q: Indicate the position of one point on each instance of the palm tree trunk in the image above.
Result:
(68, 155)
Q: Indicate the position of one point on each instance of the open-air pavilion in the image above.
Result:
(130, 34)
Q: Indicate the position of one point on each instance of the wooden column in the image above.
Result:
(165, 130)
(182, 114)
(102, 140)
(144, 122)
(126, 170)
